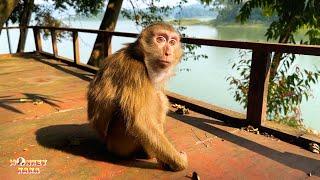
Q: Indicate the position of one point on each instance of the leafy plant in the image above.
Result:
(288, 84)
(289, 87)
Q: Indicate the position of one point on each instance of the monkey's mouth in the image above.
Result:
(164, 62)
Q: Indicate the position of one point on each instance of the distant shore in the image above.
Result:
(212, 22)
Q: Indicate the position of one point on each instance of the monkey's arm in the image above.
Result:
(154, 140)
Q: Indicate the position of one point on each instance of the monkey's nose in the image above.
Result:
(168, 52)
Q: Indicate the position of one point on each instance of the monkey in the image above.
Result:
(127, 105)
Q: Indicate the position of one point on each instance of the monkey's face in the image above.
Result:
(167, 44)
(162, 47)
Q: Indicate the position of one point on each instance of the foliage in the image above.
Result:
(287, 89)
(187, 12)
(43, 17)
(240, 82)
(228, 11)
(155, 12)
(288, 84)
(144, 17)
(44, 13)
(83, 7)
(286, 92)
(17, 12)
(6, 8)
(292, 16)
(193, 11)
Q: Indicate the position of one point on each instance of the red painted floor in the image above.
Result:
(43, 117)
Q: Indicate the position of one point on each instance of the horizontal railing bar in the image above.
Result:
(269, 47)
(16, 27)
(291, 138)
(125, 34)
(231, 117)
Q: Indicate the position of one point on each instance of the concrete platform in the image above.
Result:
(43, 117)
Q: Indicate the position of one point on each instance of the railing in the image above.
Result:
(259, 74)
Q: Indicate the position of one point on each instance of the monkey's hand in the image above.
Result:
(184, 156)
(184, 160)
(176, 167)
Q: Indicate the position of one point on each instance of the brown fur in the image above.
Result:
(127, 108)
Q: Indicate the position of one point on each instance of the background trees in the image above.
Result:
(6, 8)
(108, 23)
(22, 10)
(288, 85)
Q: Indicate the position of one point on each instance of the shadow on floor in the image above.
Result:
(7, 102)
(289, 159)
(81, 140)
(86, 76)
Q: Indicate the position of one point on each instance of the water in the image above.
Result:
(207, 79)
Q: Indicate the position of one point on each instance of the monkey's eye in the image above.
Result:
(161, 39)
(172, 42)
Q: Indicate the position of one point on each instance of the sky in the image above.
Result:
(164, 2)
(126, 3)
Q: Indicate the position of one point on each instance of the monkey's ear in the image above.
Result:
(136, 51)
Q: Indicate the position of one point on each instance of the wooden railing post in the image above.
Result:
(258, 87)
(54, 42)
(37, 39)
(8, 38)
(76, 52)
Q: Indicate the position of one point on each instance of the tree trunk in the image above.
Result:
(284, 38)
(278, 57)
(6, 8)
(102, 45)
(24, 21)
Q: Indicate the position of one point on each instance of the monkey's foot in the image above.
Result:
(165, 166)
(168, 167)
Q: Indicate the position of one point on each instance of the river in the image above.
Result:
(206, 79)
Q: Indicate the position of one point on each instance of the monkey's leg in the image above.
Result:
(121, 143)
(99, 118)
